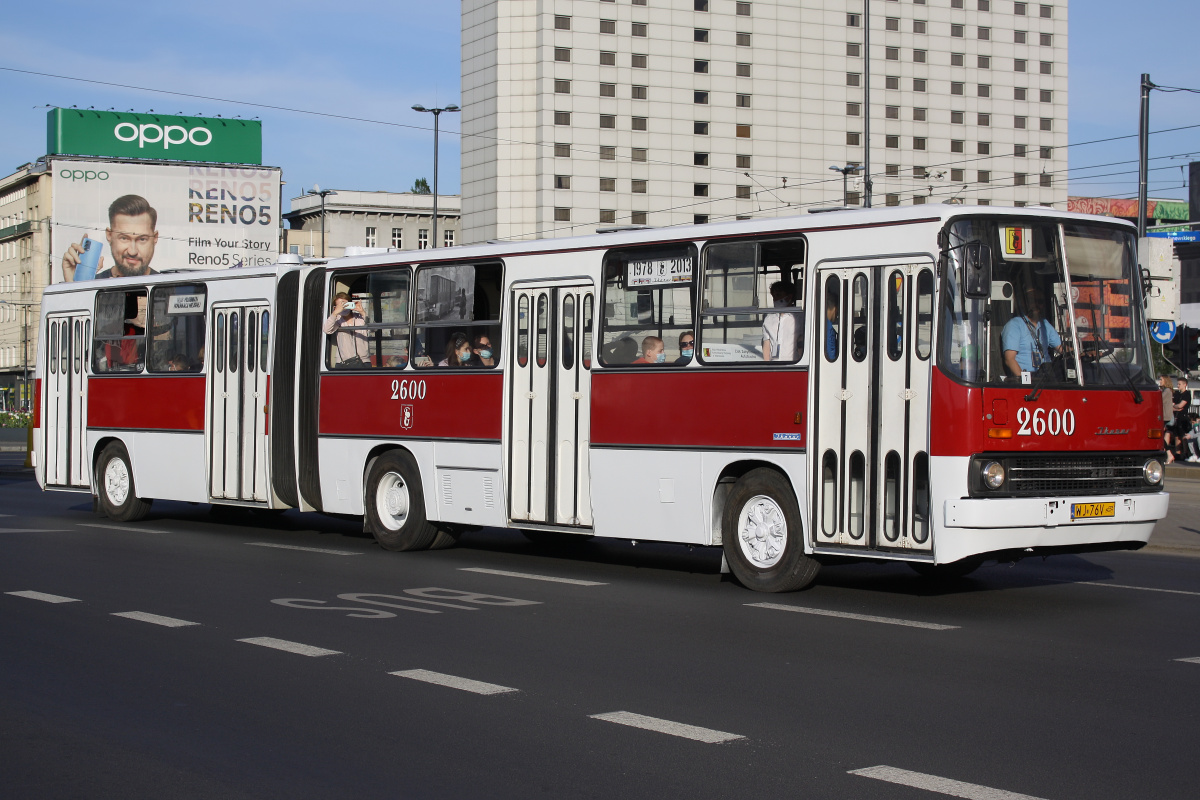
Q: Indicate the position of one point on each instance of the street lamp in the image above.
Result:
(436, 113)
(846, 170)
(322, 193)
(24, 346)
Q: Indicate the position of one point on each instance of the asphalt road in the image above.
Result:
(144, 660)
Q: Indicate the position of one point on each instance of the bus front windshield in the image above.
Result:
(1062, 308)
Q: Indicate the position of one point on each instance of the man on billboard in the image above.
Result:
(132, 235)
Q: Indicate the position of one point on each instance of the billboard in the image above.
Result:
(161, 137)
(114, 219)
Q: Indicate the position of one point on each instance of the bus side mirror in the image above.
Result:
(977, 269)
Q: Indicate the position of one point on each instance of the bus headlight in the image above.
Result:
(1152, 472)
(992, 474)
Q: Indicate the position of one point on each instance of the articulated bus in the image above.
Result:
(938, 385)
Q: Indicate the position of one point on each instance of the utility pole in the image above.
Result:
(866, 104)
(1143, 154)
(437, 112)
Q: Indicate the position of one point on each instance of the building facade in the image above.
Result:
(579, 114)
(25, 269)
(375, 220)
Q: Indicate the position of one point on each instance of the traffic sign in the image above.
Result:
(1162, 332)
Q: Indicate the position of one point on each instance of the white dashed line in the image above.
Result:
(1139, 588)
(324, 550)
(910, 623)
(290, 647)
(33, 530)
(706, 735)
(118, 527)
(154, 619)
(453, 681)
(1190, 660)
(45, 598)
(531, 577)
(932, 783)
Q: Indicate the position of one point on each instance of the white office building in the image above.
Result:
(579, 114)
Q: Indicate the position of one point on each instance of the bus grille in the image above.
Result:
(1077, 475)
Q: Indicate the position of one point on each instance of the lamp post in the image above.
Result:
(436, 113)
(24, 345)
(322, 193)
(846, 170)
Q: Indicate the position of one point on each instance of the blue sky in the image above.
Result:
(374, 60)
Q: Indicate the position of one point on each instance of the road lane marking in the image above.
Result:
(453, 681)
(33, 530)
(932, 783)
(324, 550)
(910, 623)
(290, 647)
(530, 576)
(45, 598)
(117, 527)
(1139, 588)
(154, 619)
(706, 735)
(1190, 660)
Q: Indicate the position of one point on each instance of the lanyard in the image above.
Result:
(1035, 331)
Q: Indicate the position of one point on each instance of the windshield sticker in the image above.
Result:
(1017, 243)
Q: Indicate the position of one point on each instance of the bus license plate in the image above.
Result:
(1092, 510)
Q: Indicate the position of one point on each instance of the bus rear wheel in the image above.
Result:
(762, 536)
(396, 506)
(118, 498)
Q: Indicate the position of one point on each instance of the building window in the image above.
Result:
(892, 141)
(637, 154)
(608, 59)
(1044, 180)
(1046, 96)
(985, 176)
(919, 84)
(1046, 39)
(1019, 203)
(984, 62)
(562, 54)
(985, 34)
(918, 200)
(891, 23)
(1020, 37)
(742, 132)
(639, 217)
(984, 148)
(1045, 152)
(700, 128)
(700, 35)
(1047, 124)
(743, 40)
(639, 93)
(700, 66)
(562, 150)
(639, 123)
(1019, 9)
(608, 90)
(853, 79)
(638, 61)
(562, 215)
(608, 121)
(919, 26)
(919, 114)
(1019, 150)
(637, 187)
(700, 219)
(608, 26)
(448, 238)
(743, 162)
(985, 90)
(608, 184)
(854, 139)
(892, 170)
(1018, 93)
(422, 238)
(956, 117)
(1019, 179)
(699, 190)
(956, 31)
(1019, 123)
(853, 50)
(956, 3)
(743, 70)
(892, 199)
(956, 145)
(891, 82)
(853, 109)
(956, 175)
(638, 29)
(743, 9)
(957, 59)
(608, 153)
(370, 237)
(562, 87)
(743, 101)
(700, 159)
(562, 181)
(398, 238)
(562, 23)
(919, 173)
(854, 20)
(920, 56)
(891, 112)
(1046, 67)
(918, 143)
(984, 120)
(1046, 12)
(700, 5)
(853, 198)
(700, 98)
(608, 215)
(1020, 65)
(562, 117)
(891, 53)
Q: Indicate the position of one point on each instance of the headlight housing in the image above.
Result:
(992, 474)
(1152, 472)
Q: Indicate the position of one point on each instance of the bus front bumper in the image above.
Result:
(1042, 512)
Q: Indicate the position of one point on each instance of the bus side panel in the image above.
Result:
(146, 403)
(39, 456)
(167, 466)
(460, 405)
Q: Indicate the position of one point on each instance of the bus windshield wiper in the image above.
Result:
(1037, 385)
(1137, 396)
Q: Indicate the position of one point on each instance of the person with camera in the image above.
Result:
(353, 346)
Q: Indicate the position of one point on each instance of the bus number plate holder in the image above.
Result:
(1093, 510)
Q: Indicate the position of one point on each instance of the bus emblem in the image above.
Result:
(406, 416)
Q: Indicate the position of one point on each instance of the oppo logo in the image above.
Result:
(84, 175)
(150, 133)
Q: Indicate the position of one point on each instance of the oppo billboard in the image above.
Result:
(160, 137)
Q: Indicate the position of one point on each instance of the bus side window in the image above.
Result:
(648, 306)
(119, 342)
(833, 317)
(456, 302)
(177, 315)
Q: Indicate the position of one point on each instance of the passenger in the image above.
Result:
(482, 353)
(687, 347)
(179, 363)
(353, 346)
(458, 352)
(653, 351)
(831, 333)
(779, 330)
(1029, 339)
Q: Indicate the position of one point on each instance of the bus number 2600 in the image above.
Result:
(1042, 421)
(408, 390)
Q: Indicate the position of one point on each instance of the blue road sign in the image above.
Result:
(1162, 332)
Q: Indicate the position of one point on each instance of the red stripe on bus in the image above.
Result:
(37, 402)
(464, 405)
(151, 403)
(697, 408)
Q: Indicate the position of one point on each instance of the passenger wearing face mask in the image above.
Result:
(653, 351)
(481, 349)
(687, 347)
(458, 352)
(779, 330)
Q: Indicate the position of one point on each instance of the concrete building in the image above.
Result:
(380, 220)
(25, 266)
(585, 113)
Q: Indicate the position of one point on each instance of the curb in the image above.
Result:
(1185, 472)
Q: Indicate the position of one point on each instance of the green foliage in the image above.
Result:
(8, 420)
(421, 186)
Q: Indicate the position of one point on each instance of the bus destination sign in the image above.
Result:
(658, 271)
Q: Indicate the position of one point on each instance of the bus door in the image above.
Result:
(871, 407)
(68, 344)
(239, 370)
(550, 401)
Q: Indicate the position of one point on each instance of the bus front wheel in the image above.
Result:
(396, 506)
(762, 536)
(118, 500)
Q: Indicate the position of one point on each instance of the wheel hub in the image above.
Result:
(116, 481)
(392, 501)
(762, 532)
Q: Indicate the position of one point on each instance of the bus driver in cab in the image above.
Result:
(1028, 339)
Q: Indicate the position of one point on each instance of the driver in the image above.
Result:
(1029, 339)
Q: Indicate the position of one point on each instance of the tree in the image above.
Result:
(421, 186)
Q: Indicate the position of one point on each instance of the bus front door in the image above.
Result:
(239, 371)
(870, 470)
(68, 343)
(549, 367)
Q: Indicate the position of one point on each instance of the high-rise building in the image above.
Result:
(580, 114)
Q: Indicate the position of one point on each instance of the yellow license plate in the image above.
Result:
(1090, 510)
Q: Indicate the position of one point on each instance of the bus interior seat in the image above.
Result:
(622, 351)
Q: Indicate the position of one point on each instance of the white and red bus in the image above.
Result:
(938, 385)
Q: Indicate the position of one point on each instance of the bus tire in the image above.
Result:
(118, 496)
(946, 572)
(396, 505)
(762, 536)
